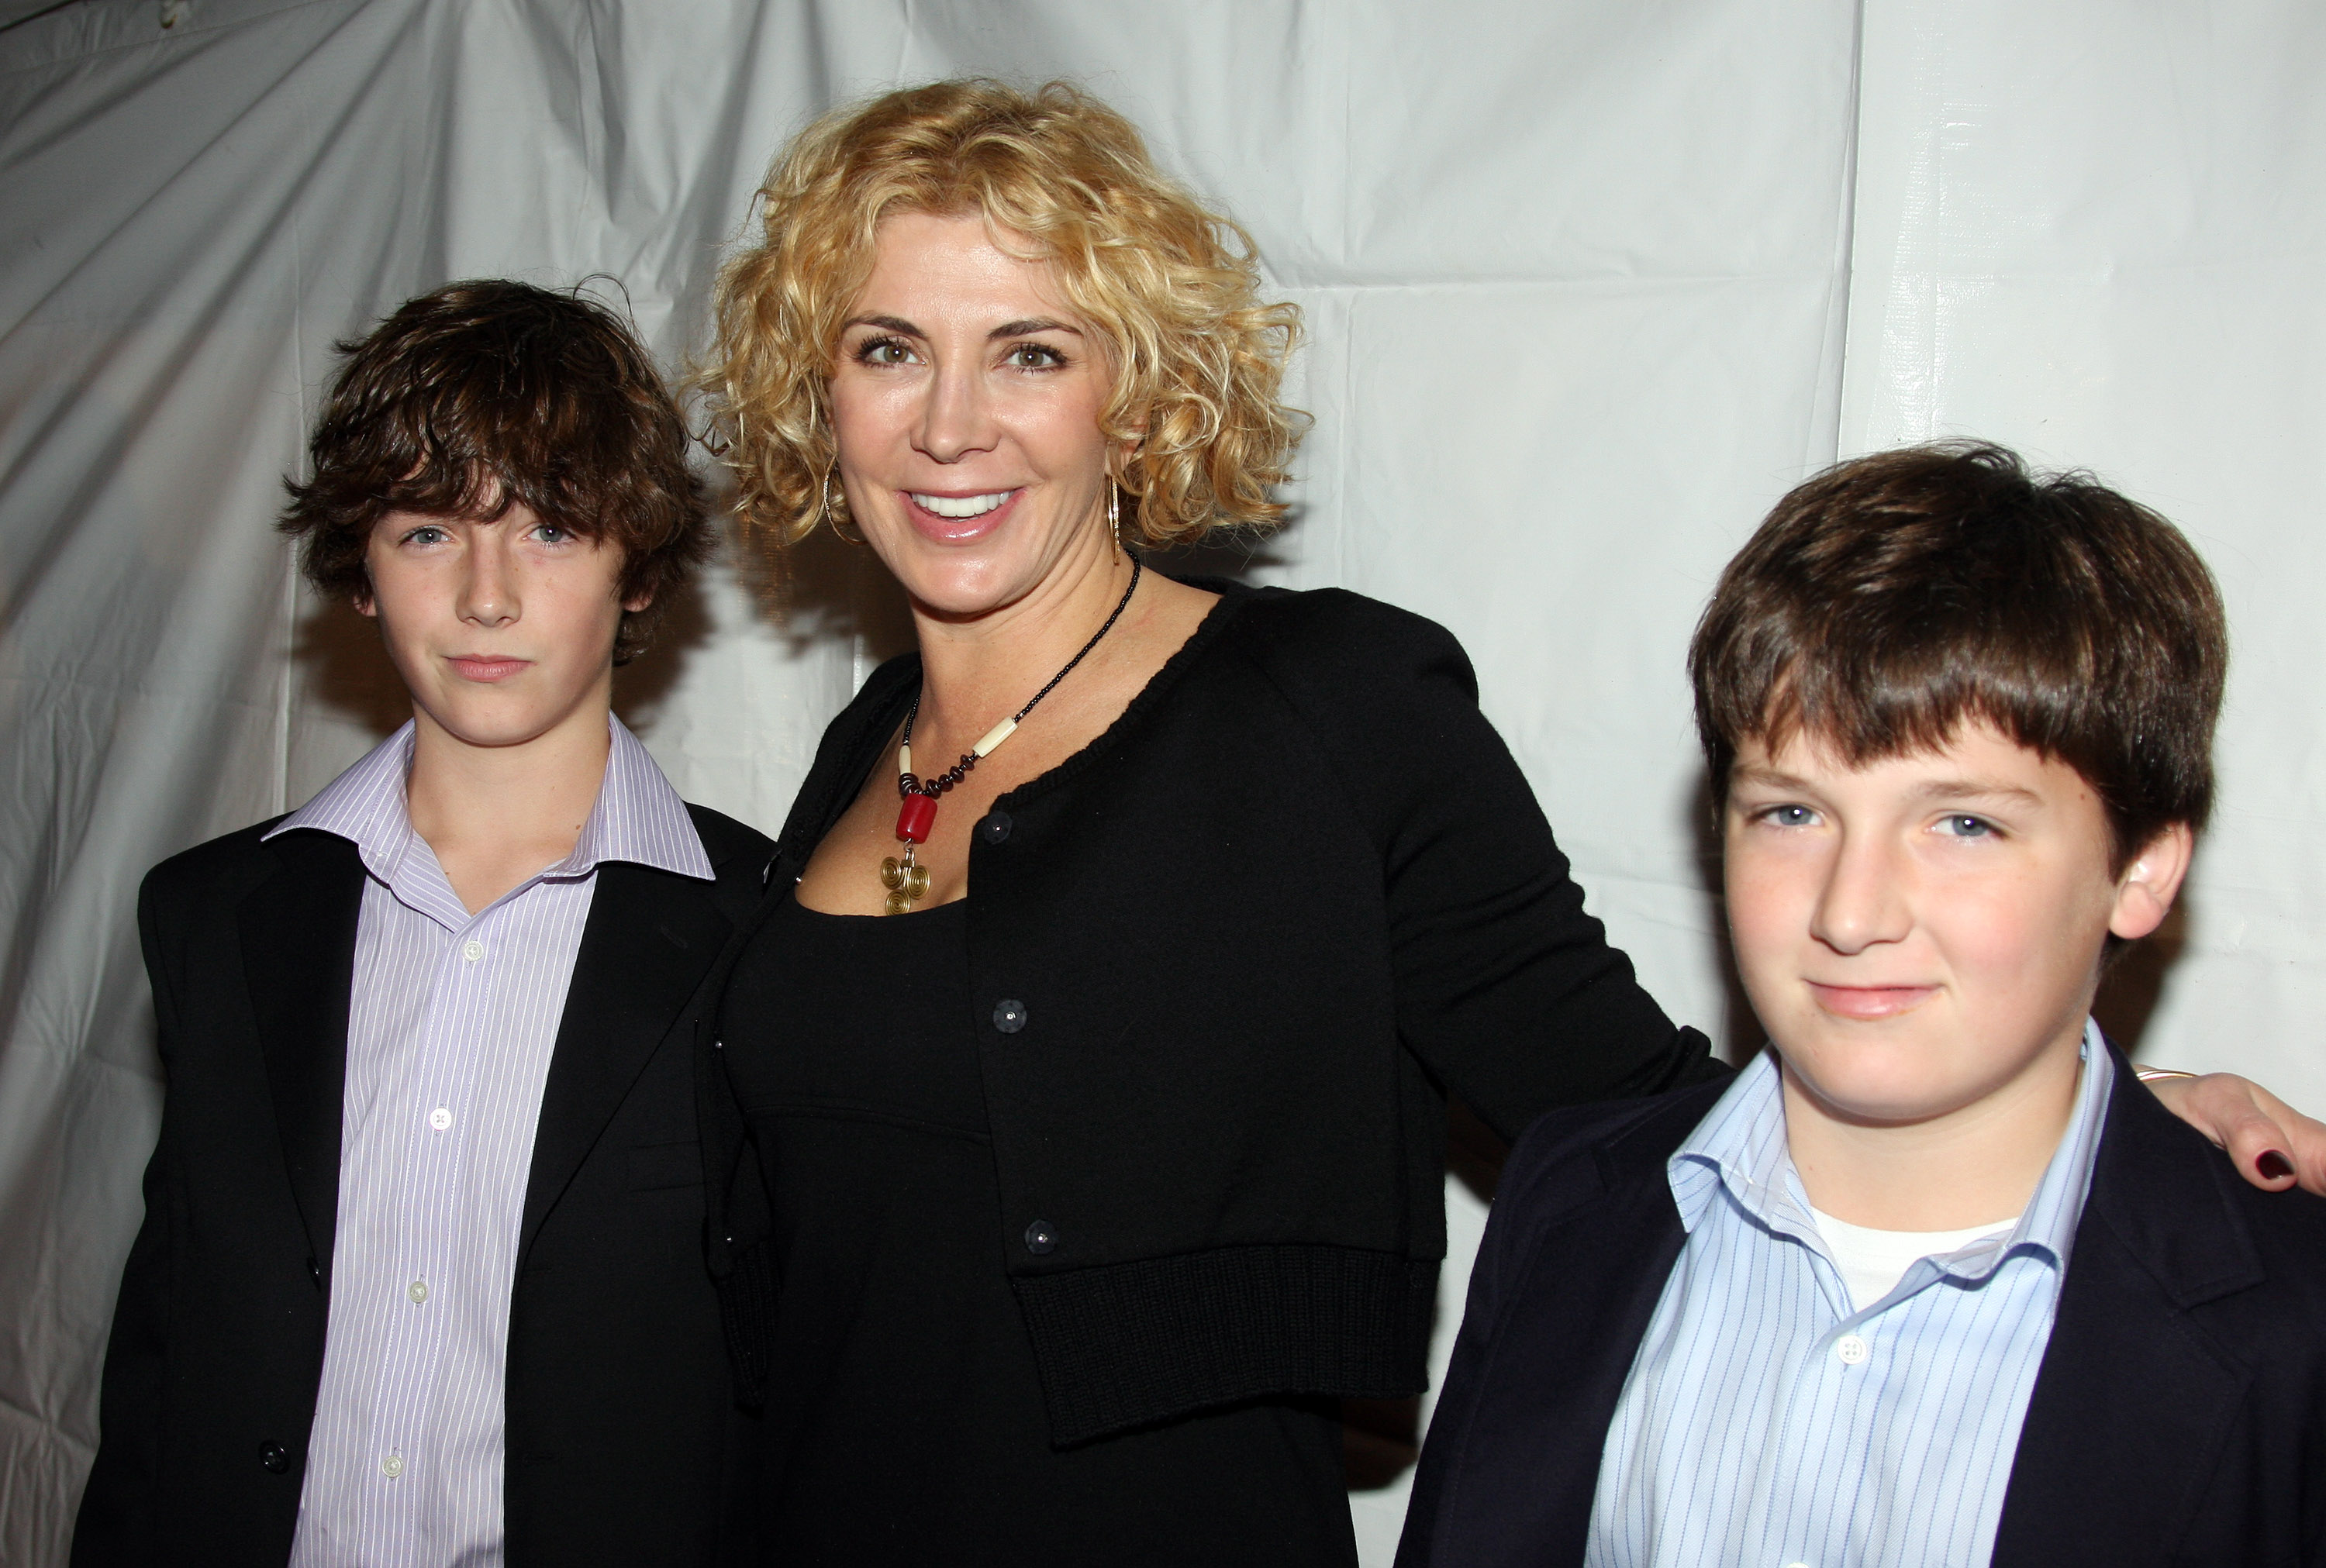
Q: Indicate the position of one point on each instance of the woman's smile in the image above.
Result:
(959, 519)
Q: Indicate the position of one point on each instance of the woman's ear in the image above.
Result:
(2147, 885)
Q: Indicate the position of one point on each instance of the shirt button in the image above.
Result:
(993, 827)
(1850, 1349)
(274, 1458)
(417, 1290)
(474, 950)
(1009, 1015)
(1040, 1240)
(440, 1119)
(392, 1466)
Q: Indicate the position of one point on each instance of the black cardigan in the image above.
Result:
(1226, 962)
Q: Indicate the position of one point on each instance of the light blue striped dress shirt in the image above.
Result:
(451, 1024)
(1766, 1422)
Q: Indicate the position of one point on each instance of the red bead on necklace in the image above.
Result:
(908, 882)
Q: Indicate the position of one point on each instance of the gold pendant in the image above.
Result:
(907, 883)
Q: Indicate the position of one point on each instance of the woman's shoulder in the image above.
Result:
(1330, 620)
(1331, 646)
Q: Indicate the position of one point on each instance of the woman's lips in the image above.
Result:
(943, 530)
(1869, 1001)
(478, 667)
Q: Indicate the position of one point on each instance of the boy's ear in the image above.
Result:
(2147, 888)
(639, 602)
(365, 604)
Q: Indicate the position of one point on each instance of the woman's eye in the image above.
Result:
(883, 352)
(1034, 357)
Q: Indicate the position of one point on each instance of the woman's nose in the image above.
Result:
(957, 417)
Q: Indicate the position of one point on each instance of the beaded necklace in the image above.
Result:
(906, 882)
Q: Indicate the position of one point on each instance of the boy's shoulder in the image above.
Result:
(233, 864)
(2178, 1207)
(1569, 1155)
(228, 864)
(726, 840)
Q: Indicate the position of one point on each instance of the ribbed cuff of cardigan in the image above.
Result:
(1135, 1343)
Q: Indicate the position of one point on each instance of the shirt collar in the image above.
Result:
(637, 817)
(1740, 1146)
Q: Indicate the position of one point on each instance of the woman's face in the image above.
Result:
(965, 403)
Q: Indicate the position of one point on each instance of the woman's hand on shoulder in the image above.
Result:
(2272, 1143)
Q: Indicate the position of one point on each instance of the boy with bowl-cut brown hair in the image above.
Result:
(1934, 1280)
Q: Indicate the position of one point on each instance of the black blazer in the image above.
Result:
(624, 1444)
(2179, 1415)
(1224, 962)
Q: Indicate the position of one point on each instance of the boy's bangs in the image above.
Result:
(1873, 704)
(1893, 599)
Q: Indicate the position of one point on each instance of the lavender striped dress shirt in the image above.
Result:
(1770, 1422)
(451, 1024)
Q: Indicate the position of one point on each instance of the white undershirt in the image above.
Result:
(1872, 1262)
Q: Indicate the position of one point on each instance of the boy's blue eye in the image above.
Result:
(1963, 826)
(1791, 816)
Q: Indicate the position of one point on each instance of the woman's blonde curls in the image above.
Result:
(1170, 287)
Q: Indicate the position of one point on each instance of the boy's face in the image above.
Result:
(1923, 933)
(503, 631)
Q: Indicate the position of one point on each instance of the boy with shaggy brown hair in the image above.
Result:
(1934, 1280)
(420, 1278)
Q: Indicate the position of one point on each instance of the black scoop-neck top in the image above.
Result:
(907, 1416)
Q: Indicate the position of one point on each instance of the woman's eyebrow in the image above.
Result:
(886, 324)
(1029, 327)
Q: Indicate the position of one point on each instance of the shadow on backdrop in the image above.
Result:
(343, 669)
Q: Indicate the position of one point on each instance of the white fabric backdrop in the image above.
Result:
(1588, 286)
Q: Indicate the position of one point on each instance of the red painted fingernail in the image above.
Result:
(2274, 1164)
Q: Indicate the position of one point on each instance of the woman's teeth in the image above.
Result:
(960, 506)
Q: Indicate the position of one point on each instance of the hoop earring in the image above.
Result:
(1114, 511)
(825, 515)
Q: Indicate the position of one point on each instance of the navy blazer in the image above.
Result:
(2179, 1416)
(623, 1442)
